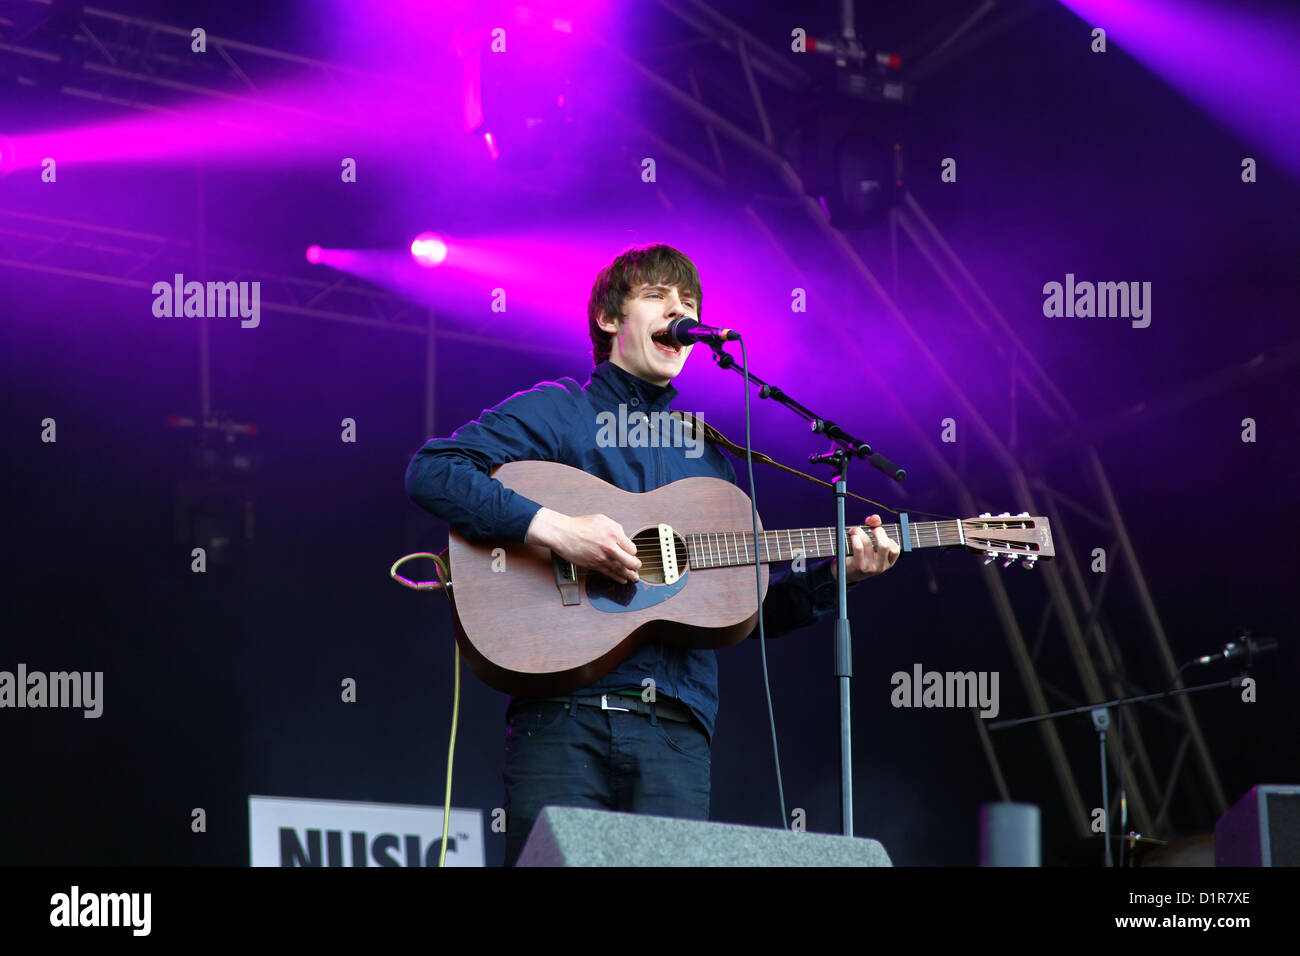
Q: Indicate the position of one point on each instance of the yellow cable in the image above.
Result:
(443, 573)
(451, 752)
(444, 584)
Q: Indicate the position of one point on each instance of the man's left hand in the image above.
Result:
(864, 560)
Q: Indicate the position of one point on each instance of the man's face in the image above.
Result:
(648, 309)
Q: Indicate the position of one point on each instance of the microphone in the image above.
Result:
(687, 331)
(1247, 645)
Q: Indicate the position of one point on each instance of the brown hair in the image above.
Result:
(641, 265)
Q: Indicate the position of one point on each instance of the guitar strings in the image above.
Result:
(739, 550)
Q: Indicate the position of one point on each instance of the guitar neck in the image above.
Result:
(727, 549)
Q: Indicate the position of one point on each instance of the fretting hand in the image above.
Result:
(866, 559)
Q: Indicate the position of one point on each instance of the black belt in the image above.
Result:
(669, 708)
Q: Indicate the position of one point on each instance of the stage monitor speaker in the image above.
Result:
(568, 836)
(1261, 829)
(1010, 834)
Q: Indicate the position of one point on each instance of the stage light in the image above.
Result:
(428, 249)
(313, 254)
(852, 168)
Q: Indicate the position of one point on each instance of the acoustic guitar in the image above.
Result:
(531, 624)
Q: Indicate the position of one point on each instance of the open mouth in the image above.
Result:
(664, 342)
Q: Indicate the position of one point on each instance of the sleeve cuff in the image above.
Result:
(524, 511)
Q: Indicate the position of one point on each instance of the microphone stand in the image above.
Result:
(844, 448)
(1100, 714)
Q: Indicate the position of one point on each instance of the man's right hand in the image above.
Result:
(596, 542)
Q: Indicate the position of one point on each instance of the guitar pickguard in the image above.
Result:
(606, 594)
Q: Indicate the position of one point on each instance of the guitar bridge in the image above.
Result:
(566, 579)
(668, 552)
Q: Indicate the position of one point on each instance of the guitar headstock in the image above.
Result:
(1010, 537)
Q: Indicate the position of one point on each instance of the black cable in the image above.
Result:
(758, 589)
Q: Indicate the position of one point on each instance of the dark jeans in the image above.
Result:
(560, 755)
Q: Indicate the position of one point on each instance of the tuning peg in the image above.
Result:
(993, 556)
(1023, 514)
(986, 515)
(1005, 514)
(1028, 563)
(1010, 560)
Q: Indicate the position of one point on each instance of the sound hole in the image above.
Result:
(652, 562)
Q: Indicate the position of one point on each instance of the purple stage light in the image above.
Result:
(296, 120)
(1236, 61)
(313, 254)
(428, 249)
(551, 271)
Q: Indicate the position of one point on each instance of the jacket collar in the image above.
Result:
(611, 384)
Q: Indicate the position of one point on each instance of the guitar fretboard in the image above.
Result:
(726, 549)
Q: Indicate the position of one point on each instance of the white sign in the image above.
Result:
(283, 831)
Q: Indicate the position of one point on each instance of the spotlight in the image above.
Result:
(313, 254)
(428, 249)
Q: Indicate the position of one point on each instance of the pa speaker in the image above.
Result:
(568, 836)
(1261, 829)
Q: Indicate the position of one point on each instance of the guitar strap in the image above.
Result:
(715, 437)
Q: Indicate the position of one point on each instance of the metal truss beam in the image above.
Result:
(136, 260)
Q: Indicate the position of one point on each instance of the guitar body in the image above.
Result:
(513, 625)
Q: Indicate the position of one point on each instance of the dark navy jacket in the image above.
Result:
(557, 421)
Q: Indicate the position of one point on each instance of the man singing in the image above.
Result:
(604, 746)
